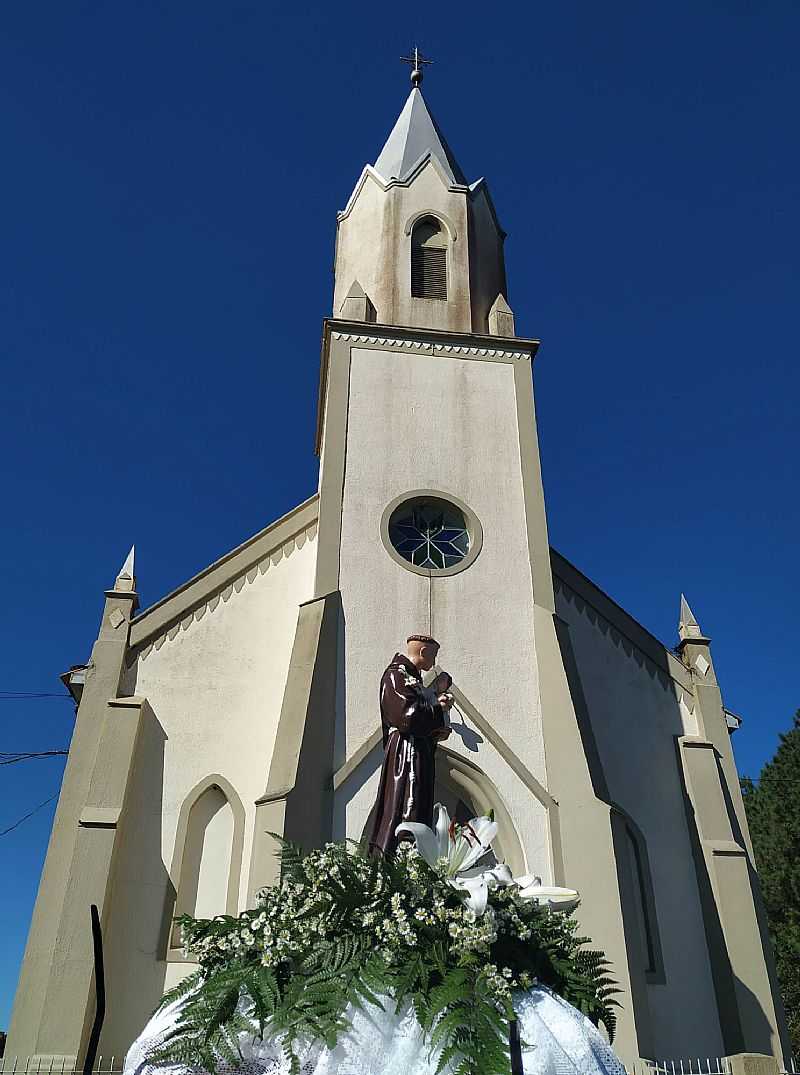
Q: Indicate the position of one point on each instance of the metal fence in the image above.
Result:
(34, 1065)
(57, 1065)
(713, 1065)
(709, 1065)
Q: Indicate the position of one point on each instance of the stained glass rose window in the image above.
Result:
(430, 533)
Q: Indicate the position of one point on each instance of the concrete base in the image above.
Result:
(753, 1064)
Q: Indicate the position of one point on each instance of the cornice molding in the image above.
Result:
(617, 625)
(425, 160)
(279, 553)
(476, 347)
(242, 566)
(432, 346)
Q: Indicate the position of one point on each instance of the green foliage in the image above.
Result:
(345, 930)
(773, 817)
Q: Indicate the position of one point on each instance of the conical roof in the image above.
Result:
(688, 627)
(687, 617)
(414, 136)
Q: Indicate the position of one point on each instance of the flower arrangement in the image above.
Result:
(344, 929)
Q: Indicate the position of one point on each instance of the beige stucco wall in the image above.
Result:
(487, 260)
(215, 686)
(368, 262)
(635, 718)
(446, 424)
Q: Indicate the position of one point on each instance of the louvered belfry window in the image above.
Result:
(428, 261)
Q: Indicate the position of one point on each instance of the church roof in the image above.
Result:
(414, 136)
(223, 573)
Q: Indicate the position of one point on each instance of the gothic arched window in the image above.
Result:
(638, 895)
(208, 854)
(429, 260)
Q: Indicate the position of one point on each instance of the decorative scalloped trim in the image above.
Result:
(609, 630)
(427, 159)
(251, 575)
(420, 345)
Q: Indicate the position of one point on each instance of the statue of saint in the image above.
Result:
(414, 719)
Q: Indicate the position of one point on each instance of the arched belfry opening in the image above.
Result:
(429, 260)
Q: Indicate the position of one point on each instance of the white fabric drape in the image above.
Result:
(556, 1040)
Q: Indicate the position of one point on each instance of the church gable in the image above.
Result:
(190, 602)
(212, 662)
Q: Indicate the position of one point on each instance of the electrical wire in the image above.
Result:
(11, 759)
(16, 696)
(5, 832)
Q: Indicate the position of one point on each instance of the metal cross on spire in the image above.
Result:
(417, 60)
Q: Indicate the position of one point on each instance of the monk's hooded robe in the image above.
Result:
(410, 722)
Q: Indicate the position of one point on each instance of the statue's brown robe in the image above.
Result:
(410, 723)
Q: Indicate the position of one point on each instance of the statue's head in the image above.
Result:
(422, 651)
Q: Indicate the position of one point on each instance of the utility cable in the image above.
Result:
(5, 832)
(16, 696)
(10, 759)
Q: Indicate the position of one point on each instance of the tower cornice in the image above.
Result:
(437, 338)
(440, 342)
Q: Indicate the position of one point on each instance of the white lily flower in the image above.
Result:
(499, 876)
(557, 899)
(527, 880)
(476, 890)
(458, 848)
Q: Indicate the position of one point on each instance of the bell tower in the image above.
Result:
(432, 518)
(421, 242)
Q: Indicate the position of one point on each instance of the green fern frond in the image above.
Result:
(329, 962)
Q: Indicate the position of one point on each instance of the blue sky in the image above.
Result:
(169, 182)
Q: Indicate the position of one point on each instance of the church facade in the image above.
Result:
(245, 703)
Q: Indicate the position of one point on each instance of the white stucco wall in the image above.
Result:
(215, 685)
(635, 719)
(448, 425)
(216, 688)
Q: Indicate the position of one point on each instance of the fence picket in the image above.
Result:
(56, 1066)
(717, 1065)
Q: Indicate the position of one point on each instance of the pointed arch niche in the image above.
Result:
(468, 792)
(207, 863)
(637, 894)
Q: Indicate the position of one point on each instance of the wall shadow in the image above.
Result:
(142, 897)
(351, 787)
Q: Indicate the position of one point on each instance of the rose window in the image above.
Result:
(430, 533)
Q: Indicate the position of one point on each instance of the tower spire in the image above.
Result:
(418, 240)
(126, 579)
(414, 136)
(688, 627)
